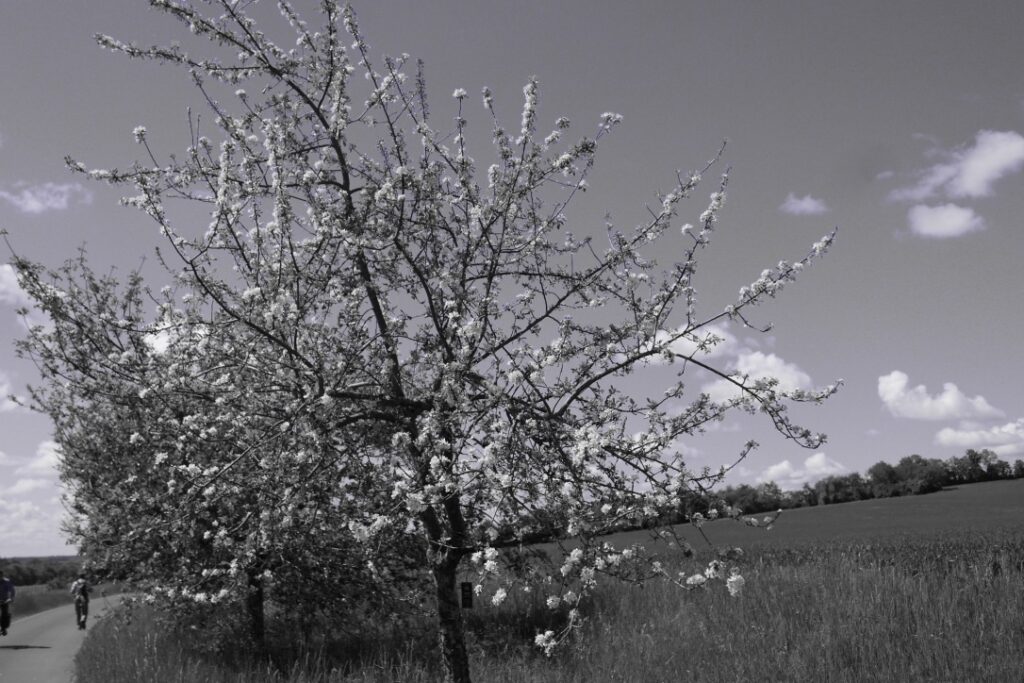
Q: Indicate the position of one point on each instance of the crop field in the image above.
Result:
(926, 588)
(992, 507)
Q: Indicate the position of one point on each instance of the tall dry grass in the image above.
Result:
(41, 597)
(38, 598)
(945, 609)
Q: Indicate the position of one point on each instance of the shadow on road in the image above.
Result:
(24, 647)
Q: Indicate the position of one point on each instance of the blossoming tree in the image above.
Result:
(376, 345)
(146, 413)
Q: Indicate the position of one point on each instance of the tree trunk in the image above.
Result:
(450, 625)
(254, 606)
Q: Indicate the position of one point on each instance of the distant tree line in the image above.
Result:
(912, 475)
(28, 571)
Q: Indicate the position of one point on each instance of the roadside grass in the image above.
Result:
(41, 597)
(945, 608)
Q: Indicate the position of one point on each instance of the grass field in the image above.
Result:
(927, 588)
(991, 507)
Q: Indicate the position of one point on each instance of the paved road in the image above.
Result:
(41, 647)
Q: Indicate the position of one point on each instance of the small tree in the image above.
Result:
(374, 341)
(770, 495)
(998, 469)
(884, 480)
(842, 489)
(918, 475)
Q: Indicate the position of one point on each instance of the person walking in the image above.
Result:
(80, 589)
(7, 593)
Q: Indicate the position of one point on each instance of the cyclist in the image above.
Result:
(80, 589)
(6, 598)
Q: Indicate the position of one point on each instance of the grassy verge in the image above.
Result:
(33, 599)
(942, 610)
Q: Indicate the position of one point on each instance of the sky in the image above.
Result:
(901, 123)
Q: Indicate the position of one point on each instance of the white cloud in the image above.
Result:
(10, 292)
(1004, 439)
(31, 528)
(23, 486)
(684, 449)
(6, 404)
(803, 206)
(995, 154)
(13, 296)
(30, 504)
(742, 473)
(916, 403)
(724, 427)
(969, 171)
(789, 477)
(947, 220)
(718, 342)
(757, 365)
(44, 464)
(927, 187)
(15, 512)
(46, 196)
